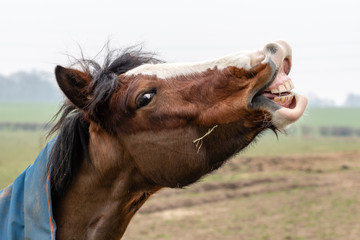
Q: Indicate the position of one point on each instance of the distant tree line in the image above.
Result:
(352, 100)
(25, 126)
(330, 131)
(29, 87)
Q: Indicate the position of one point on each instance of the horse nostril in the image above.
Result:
(271, 48)
(286, 66)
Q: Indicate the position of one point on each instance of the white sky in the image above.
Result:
(325, 35)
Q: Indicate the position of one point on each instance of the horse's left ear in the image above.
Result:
(74, 84)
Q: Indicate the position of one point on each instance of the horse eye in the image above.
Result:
(145, 98)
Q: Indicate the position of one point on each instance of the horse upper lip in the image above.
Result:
(268, 83)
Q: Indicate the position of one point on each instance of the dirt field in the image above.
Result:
(258, 198)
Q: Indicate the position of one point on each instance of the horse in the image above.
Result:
(135, 125)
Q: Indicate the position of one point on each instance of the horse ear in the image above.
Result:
(74, 85)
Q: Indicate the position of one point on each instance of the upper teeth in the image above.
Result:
(286, 87)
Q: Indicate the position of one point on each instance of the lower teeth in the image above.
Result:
(285, 99)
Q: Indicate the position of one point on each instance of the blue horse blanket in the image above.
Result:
(25, 205)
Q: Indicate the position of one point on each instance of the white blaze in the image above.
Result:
(169, 70)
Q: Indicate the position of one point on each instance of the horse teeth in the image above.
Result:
(284, 99)
(287, 86)
(274, 90)
(291, 84)
(282, 88)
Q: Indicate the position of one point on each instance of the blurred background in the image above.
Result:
(302, 185)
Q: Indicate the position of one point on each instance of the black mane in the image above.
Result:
(71, 144)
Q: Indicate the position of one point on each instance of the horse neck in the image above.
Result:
(104, 195)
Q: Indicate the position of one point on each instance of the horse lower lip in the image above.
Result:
(295, 110)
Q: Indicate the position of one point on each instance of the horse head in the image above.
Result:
(174, 123)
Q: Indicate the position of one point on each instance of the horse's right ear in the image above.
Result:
(74, 84)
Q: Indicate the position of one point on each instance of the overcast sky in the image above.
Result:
(325, 35)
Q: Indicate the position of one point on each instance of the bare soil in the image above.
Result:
(297, 197)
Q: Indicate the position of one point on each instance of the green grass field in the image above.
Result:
(269, 145)
(316, 117)
(27, 112)
(18, 149)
